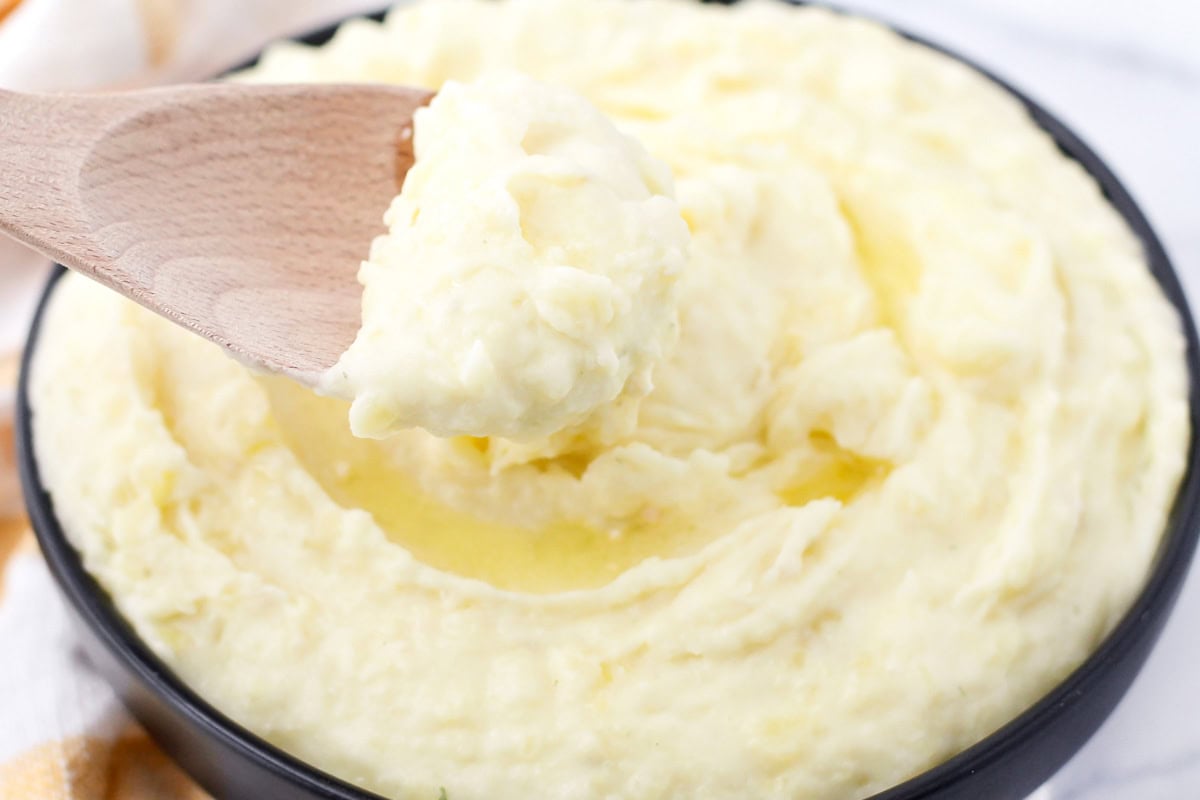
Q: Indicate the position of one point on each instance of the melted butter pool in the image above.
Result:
(560, 557)
(564, 556)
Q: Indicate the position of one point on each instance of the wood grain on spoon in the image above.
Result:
(240, 212)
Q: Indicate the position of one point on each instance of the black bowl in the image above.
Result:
(231, 762)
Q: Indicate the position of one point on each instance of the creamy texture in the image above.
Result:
(527, 279)
(905, 466)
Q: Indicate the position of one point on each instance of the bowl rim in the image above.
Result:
(1162, 583)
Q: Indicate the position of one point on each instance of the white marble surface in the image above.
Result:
(1126, 77)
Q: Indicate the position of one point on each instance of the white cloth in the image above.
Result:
(47, 690)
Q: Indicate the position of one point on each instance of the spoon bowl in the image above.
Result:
(238, 211)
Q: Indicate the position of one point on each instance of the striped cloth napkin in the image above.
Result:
(63, 734)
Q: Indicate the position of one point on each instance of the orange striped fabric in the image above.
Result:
(129, 767)
(6, 7)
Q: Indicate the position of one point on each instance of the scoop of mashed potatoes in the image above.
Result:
(527, 280)
(905, 466)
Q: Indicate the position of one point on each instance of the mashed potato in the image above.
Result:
(528, 277)
(905, 465)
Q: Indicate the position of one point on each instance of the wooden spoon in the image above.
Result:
(241, 212)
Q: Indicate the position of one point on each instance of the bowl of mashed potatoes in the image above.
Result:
(853, 460)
